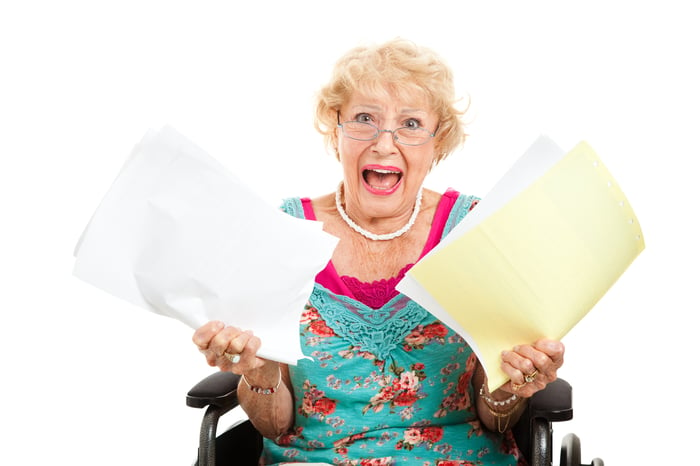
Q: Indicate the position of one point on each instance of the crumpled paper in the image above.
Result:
(181, 236)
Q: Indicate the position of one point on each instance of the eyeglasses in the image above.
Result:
(406, 135)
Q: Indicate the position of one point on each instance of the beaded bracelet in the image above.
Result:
(264, 391)
(492, 402)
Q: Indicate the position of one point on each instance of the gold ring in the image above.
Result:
(517, 386)
(235, 358)
(531, 378)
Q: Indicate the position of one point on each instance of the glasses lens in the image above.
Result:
(359, 130)
(412, 136)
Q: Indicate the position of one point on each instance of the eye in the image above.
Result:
(412, 123)
(363, 118)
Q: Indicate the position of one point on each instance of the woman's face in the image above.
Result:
(382, 176)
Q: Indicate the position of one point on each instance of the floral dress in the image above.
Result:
(388, 383)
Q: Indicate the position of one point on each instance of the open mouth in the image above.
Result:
(382, 180)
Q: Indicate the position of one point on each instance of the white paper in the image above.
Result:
(179, 235)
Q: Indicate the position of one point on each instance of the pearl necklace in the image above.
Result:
(373, 236)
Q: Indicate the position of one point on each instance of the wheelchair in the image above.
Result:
(241, 444)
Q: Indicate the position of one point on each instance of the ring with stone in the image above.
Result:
(528, 379)
(235, 358)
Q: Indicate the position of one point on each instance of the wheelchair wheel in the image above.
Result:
(570, 451)
(541, 446)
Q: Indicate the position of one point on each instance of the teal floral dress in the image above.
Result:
(387, 382)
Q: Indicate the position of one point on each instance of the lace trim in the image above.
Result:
(293, 206)
(377, 293)
(463, 205)
(377, 331)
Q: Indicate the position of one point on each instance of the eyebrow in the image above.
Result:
(377, 108)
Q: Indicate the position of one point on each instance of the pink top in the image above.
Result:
(379, 292)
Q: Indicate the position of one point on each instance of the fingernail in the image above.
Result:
(554, 345)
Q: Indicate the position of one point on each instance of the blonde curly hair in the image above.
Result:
(397, 67)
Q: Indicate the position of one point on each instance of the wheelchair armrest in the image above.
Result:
(554, 403)
(220, 389)
(219, 393)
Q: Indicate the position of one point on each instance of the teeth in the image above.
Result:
(381, 170)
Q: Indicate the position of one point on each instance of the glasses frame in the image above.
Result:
(379, 131)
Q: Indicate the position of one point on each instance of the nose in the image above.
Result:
(385, 144)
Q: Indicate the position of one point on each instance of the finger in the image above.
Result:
(554, 349)
(237, 341)
(538, 361)
(523, 378)
(525, 375)
(241, 354)
(222, 340)
(244, 344)
(510, 364)
(249, 353)
(521, 359)
(203, 335)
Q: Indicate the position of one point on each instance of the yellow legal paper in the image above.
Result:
(538, 263)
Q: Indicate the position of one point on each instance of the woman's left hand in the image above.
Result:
(532, 367)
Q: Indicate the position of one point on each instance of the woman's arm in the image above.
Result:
(265, 392)
(267, 398)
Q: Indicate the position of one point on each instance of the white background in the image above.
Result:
(88, 379)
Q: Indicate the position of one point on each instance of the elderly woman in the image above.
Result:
(387, 382)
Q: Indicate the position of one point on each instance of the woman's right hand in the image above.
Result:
(271, 415)
(214, 339)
